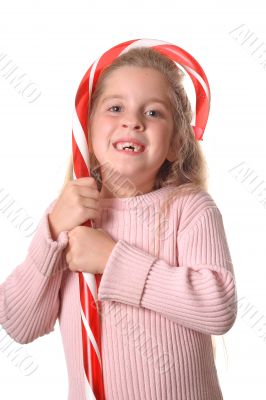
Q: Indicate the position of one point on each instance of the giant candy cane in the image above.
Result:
(89, 283)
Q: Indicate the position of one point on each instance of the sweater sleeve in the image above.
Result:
(198, 292)
(29, 297)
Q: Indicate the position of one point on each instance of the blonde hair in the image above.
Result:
(189, 171)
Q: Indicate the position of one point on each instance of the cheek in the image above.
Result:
(101, 127)
(96, 143)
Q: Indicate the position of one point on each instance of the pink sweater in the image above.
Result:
(160, 304)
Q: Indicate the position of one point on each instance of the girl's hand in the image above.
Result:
(88, 249)
(78, 202)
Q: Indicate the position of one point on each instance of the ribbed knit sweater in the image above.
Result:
(162, 296)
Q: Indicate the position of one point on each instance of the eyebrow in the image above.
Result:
(151, 100)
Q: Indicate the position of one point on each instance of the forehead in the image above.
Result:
(136, 73)
(136, 80)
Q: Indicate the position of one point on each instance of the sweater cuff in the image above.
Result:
(125, 274)
(46, 252)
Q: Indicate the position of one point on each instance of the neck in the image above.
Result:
(113, 190)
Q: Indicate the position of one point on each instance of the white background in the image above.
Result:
(55, 43)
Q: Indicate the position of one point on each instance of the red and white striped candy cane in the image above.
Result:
(89, 283)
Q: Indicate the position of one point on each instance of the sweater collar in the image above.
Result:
(138, 200)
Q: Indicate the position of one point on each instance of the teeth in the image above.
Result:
(121, 146)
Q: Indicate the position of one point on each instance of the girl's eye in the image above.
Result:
(157, 112)
(113, 107)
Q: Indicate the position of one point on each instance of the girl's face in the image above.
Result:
(134, 104)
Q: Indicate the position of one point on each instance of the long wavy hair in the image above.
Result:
(189, 171)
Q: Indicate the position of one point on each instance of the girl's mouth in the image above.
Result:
(129, 150)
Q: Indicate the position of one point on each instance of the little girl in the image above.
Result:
(167, 281)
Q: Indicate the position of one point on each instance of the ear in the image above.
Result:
(171, 156)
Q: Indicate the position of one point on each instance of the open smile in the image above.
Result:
(129, 151)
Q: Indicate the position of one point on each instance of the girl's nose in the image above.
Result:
(132, 125)
(132, 122)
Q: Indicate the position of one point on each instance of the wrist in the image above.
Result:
(54, 231)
